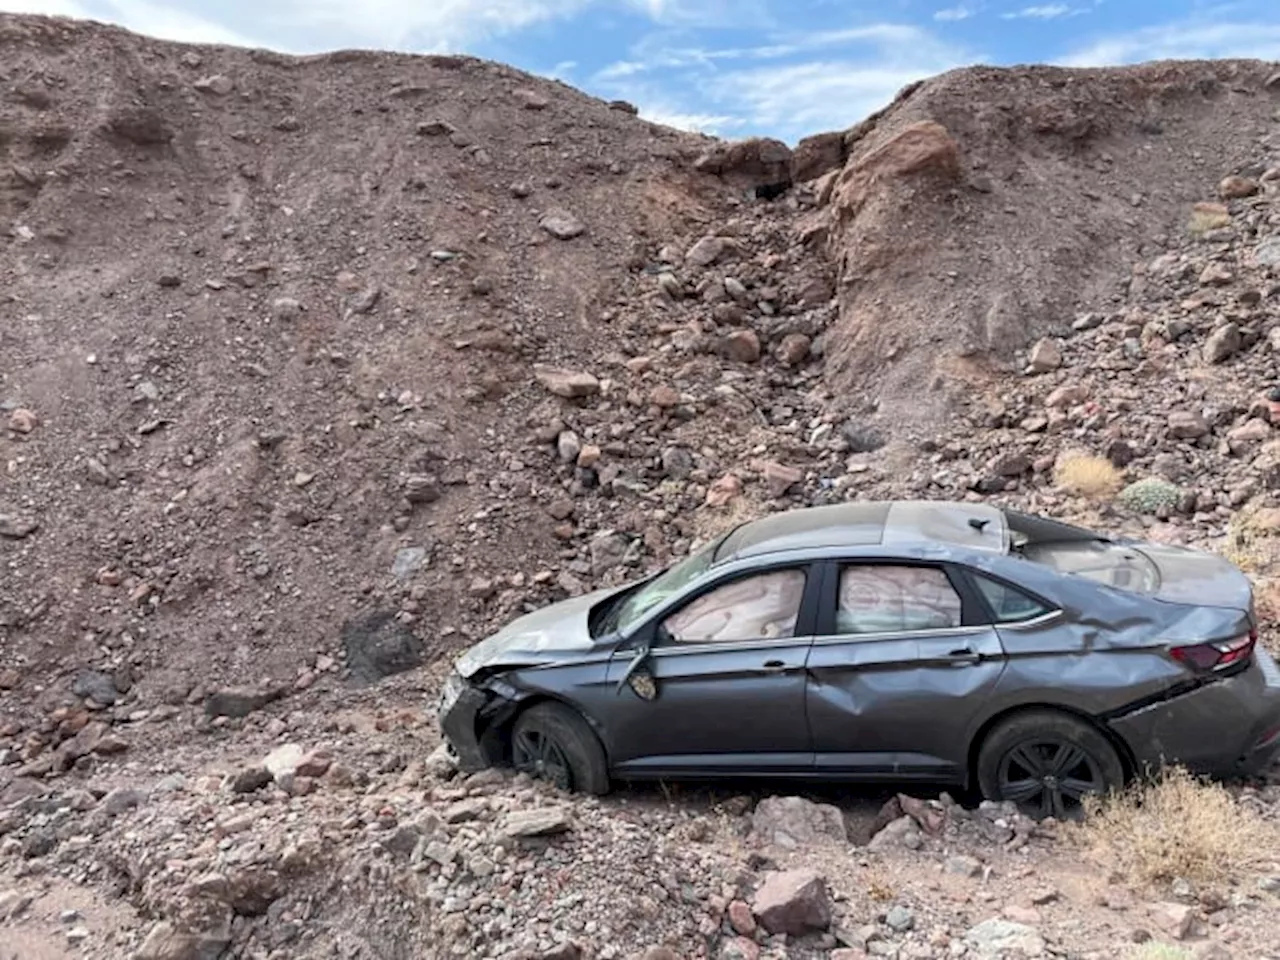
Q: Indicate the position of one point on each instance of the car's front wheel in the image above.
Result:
(552, 742)
(1047, 763)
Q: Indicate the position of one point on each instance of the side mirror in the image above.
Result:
(637, 661)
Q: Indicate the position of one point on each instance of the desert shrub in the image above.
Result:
(1247, 545)
(1085, 475)
(1178, 826)
(1150, 495)
(1153, 950)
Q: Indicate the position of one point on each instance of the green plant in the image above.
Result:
(1150, 495)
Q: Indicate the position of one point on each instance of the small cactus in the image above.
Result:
(1150, 496)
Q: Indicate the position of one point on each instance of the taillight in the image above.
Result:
(1219, 655)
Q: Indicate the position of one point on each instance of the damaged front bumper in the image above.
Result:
(1227, 728)
(469, 718)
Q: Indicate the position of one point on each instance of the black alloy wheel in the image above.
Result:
(536, 753)
(1050, 776)
(1048, 763)
(552, 742)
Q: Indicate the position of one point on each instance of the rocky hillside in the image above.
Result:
(313, 370)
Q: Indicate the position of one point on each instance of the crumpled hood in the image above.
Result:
(537, 637)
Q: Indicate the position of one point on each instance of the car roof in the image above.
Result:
(871, 523)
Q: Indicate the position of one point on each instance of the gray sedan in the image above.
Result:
(936, 642)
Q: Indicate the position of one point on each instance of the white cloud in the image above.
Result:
(170, 23)
(804, 98)
(415, 24)
(706, 13)
(1186, 40)
(778, 87)
(1050, 11)
(48, 8)
(954, 14)
(710, 123)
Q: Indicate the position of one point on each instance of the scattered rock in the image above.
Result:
(165, 942)
(795, 902)
(1223, 344)
(23, 421)
(994, 939)
(566, 383)
(1046, 356)
(1237, 188)
(540, 822)
(562, 224)
(740, 346)
(237, 702)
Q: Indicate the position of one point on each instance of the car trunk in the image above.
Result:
(1172, 574)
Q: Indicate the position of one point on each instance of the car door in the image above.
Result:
(902, 660)
(722, 687)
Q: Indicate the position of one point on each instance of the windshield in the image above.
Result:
(669, 582)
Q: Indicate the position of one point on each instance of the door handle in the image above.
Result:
(773, 666)
(965, 656)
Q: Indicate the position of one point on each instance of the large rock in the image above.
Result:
(1188, 426)
(995, 939)
(794, 822)
(238, 702)
(566, 383)
(924, 149)
(756, 161)
(378, 646)
(165, 942)
(562, 224)
(795, 902)
(540, 822)
(1223, 344)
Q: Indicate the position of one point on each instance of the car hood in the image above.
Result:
(537, 637)
(1195, 577)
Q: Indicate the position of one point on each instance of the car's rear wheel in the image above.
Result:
(1047, 763)
(552, 742)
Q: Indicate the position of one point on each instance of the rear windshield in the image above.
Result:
(1108, 563)
(1084, 553)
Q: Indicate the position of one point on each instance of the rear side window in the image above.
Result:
(883, 598)
(1009, 604)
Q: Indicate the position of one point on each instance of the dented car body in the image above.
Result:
(932, 641)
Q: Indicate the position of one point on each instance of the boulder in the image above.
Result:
(794, 902)
(794, 822)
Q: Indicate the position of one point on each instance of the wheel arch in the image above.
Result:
(1127, 759)
(496, 737)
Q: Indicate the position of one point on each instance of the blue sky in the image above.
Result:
(785, 68)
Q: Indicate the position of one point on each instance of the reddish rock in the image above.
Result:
(795, 902)
(664, 397)
(779, 478)
(1067, 396)
(741, 918)
(740, 346)
(1237, 188)
(23, 420)
(794, 349)
(724, 490)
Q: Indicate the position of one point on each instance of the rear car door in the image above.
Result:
(902, 661)
(722, 688)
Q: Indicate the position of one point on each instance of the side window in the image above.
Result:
(883, 598)
(765, 606)
(1009, 604)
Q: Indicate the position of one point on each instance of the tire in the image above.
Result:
(552, 742)
(1047, 762)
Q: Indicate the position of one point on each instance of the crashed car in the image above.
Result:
(949, 643)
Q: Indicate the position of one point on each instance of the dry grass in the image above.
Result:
(1206, 217)
(1085, 475)
(1151, 950)
(1178, 826)
(1249, 544)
